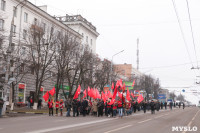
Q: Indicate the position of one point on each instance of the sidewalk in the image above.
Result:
(26, 110)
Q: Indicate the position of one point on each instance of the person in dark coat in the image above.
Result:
(183, 105)
(134, 107)
(144, 106)
(39, 103)
(157, 105)
(68, 106)
(1, 106)
(161, 104)
(100, 106)
(179, 105)
(171, 105)
(78, 107)
(74, 106)
(153, 106)
(165, 104)
(84, 106)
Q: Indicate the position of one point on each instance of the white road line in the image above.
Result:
(189, 124)
(159, 116)
(69, 126)
(1, 128)
(118, 129)
(144, 121)
(60, 120)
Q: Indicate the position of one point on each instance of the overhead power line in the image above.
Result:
(192, 31)
(182, 33)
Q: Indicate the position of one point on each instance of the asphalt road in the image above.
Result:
(161, 122)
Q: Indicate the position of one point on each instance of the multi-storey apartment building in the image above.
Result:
(24, 15)
(83, 27)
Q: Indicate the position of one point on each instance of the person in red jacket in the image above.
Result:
(120, 108)
(57, 107)
(50, 105)
(61, 107)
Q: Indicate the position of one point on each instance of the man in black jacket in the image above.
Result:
(152, 104)
(1, 106)
(85, 106)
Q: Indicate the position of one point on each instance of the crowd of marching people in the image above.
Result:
(98, 107)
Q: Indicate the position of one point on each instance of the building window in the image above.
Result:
(25, 17)
(24, 34)
(15, 11)
(3, 5)
(91, 42)
(35, 21)
(87, 39)
(14, 29)
(1, 24)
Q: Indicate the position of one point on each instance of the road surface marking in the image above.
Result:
(1, 128)
(69, 126)
(159, 116)
(118, 129)
(189, 124)
(144, 121)
(60, 120)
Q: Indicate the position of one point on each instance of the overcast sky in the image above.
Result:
(163, 52)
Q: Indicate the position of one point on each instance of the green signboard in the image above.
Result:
(64, 87)
(129, 85)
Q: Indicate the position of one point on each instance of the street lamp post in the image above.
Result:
(9, 51)
(112, 64)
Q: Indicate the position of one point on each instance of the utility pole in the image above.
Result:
(137, 53)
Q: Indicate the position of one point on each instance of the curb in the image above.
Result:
(26, 113)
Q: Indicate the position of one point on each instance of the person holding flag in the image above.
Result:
(57, 107)
(61, 107)
(50, 105)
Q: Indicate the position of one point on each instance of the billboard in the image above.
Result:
(161, 96)
(129, 85)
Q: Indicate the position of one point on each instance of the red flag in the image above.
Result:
(112, 86)
(140, 98)
(109, 94)
(88, 89)
(95, 93)
(78, 91)
(91, 93)
(103, 96)
(128, 95)
(52, 91)
(115, 93)
(112, 101)
(124, 87)
(132, 95)
(133, 83)
(85, 93)
(46, 96)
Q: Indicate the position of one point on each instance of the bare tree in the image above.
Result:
(181, 98)
(41, 51)
(68, 46)
(172, 95)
